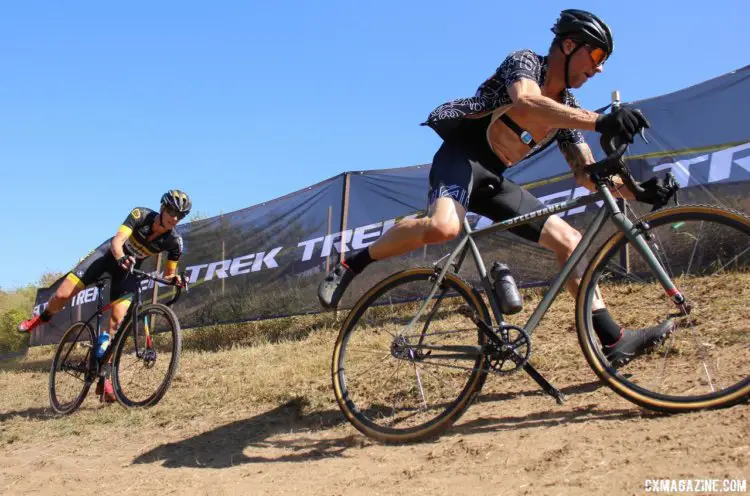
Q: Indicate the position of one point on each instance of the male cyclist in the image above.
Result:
(517, 112)
(143, 233)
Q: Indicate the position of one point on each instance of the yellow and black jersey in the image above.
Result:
(138, 228)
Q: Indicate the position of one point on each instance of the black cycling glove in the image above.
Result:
(623, 123)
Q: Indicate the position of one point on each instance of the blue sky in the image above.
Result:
(105, 105)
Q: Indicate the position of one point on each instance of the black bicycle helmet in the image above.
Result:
(178, 200)
(584, 28)
(580, 25)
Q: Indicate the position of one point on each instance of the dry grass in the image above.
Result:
(271, 364)
(228, 372)
(235, 371)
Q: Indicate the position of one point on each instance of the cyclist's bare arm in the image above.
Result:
(170, 271)
(118, 242)
(527, 95)
(578, 157)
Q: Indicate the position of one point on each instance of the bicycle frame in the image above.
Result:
(610, 209)
(96, 363)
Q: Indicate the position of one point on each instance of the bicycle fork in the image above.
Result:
(636, 233)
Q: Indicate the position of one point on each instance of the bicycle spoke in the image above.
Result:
(390, 377)
(385, 357)
(146, 355)
(450, 366)
(663, 361)
(705, 252)
(75, 376)
(421, 388)
(422, 326)
(733, 260)
(621, 271)
(704, 357)
(695, 247)
(69, 381)
(376, 351)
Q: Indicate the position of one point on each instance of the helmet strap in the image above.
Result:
(567, 62)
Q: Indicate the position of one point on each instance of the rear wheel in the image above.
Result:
(71, 373)
(400, 378)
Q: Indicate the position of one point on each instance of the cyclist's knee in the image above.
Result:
(119, 310)
(120, 305)
(446, 215)
(570, 239)
(70, 287)
(441, 230)
(559, 236)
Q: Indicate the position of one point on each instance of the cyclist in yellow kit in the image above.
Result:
(143, 233)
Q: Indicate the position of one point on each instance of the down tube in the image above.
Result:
(566, 270)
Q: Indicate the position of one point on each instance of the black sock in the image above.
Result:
(359, 261)
(608, 332)
(45, 316)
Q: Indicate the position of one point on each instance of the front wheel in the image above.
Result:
(407, 363)
(72, 370)
(146, 356)
(705, 361)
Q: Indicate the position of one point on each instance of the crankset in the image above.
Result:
(514, 352)
(497, 341)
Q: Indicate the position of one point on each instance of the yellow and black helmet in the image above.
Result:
(177, 200)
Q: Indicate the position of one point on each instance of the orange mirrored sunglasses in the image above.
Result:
(598, 55)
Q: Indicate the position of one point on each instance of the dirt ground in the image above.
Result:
(263, 420)
(513, 442)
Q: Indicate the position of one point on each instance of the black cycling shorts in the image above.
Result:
(463, 169)
(100, 264)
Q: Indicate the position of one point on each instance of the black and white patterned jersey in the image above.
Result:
(492, 95)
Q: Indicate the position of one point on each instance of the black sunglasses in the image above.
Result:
(173, 212)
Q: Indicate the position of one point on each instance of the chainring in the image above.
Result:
(513, 354)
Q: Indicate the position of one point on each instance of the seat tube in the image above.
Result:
(99, 305)
(483, 276)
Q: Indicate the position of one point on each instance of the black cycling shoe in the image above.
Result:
(333, 286)
(633, 344)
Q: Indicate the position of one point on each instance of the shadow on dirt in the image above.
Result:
(226, 445)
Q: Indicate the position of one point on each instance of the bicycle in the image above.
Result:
(149, 334)
(401, 377)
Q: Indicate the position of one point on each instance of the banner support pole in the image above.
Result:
(344, 220)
